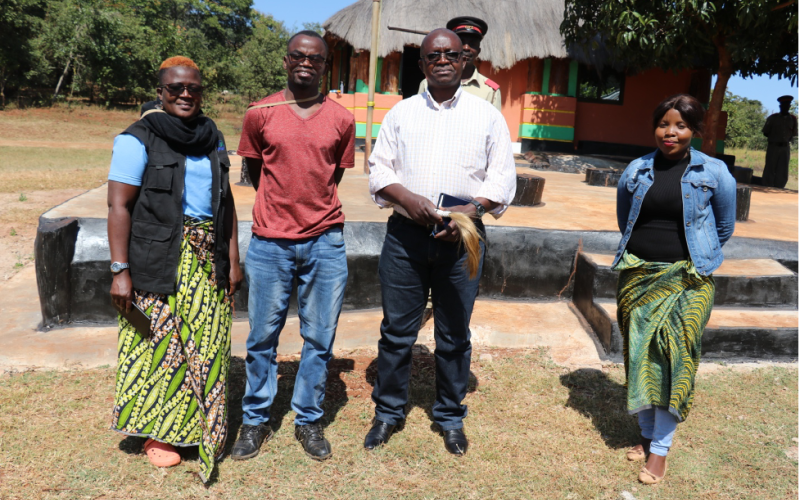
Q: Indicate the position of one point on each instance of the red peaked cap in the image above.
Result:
(467, 24)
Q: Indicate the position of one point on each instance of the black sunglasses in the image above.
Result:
(452, 56)
(178, 88)
(297, 58)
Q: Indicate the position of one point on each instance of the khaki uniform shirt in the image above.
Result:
(477, 86)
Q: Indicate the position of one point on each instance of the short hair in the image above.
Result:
(689, 107)
(311, 34)
(176, 62)
(438, 31)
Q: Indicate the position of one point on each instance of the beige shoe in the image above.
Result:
(647, 477)
(636, 453)
(640, 451)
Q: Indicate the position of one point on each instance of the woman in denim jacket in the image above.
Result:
(676, 207)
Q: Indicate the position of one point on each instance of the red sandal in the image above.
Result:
(161, 454)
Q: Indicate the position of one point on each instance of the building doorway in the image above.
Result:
(411, 74)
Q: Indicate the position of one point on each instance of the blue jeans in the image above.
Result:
(319, 265)
(412, 262)
(659, 425)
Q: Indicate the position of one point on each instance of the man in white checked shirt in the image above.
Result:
(443, 141)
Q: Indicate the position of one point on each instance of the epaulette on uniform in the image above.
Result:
(492, 85)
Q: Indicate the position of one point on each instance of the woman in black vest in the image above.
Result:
(175, 255)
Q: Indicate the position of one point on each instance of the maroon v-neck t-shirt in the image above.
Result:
(297, 193)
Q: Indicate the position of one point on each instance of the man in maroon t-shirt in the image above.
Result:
(297, 144)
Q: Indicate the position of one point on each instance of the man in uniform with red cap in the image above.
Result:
(779, 129)
(471, 31)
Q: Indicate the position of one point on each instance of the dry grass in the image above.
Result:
(48, 155)
(755, 159)
(536, 430)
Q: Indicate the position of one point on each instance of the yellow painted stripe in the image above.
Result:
(549, 110)
(547, 125)
(376, 109)
(540, 139)
(365, 123)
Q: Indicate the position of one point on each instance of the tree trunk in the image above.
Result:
(63, 75)
(715, 106)
(2, 90)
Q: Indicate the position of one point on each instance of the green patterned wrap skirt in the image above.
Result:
(662, 310)
(173, 386)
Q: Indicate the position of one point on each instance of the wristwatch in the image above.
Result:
(118, 267)
(479, 208)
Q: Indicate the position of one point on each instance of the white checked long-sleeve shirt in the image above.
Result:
(460, 147)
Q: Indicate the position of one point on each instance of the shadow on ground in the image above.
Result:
(595, 395)
(335, 400)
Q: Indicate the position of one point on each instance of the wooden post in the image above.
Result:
(351, 83)
(390, 80)
(373, 64)
(535, 74)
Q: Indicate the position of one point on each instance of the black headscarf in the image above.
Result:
(194, 137)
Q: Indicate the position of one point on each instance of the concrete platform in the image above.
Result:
(755, 306)
(555, 325)
(569, 204)
(531, 257)
(741, 332)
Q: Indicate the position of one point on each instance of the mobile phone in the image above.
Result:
(445, 201)
(138, 318)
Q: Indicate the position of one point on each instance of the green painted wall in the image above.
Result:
(361, 129)
(697, 143)
(533, 131)
(546, 77)
(572, 89)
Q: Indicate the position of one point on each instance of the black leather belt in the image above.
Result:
(777, 143)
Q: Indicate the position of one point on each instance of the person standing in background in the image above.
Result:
(471, 31)
(779, 130)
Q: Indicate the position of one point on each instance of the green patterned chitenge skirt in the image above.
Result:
(662, 310)
(172, 386)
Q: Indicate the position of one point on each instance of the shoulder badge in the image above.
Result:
(492, 84)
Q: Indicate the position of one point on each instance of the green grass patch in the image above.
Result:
(536, 431)
(28, 169)
(755, 159)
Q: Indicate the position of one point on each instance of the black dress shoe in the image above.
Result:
(250, 439)
(313, 441)
(455, 442)
(379, 434)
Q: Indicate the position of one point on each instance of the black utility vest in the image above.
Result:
(157, 217)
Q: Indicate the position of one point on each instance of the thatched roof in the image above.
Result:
(518, 29)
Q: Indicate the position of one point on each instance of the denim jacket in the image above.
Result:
(709, 206)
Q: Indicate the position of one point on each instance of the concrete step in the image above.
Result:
(739, 282)
(731, 331)
(506, 324)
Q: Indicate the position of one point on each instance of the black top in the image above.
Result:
(659, 235)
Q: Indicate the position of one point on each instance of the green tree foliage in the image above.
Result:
(748, 37)
(110, 50)
(260, 71)
(745, 119)
(19, 21)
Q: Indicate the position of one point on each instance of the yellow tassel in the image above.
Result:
(470, 238)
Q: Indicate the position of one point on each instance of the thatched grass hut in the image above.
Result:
(551, 101)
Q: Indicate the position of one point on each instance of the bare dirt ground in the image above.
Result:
(18, 223)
